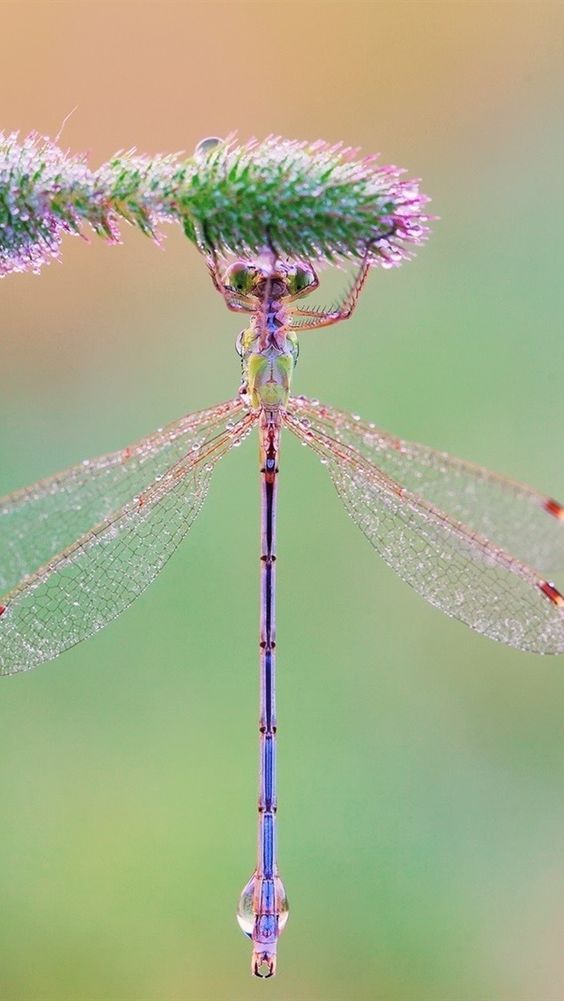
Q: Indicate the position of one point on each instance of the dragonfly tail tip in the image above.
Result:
(263, 963)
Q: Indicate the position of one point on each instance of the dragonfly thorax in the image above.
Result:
(269, 351)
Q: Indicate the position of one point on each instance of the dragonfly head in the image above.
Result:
(266, 278)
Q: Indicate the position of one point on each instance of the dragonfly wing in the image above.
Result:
(90, 582)
(513, 515)
(452, 567)
(39, 521)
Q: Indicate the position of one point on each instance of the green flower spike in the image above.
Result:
(309, 200)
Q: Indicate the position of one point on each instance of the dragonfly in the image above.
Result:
(77, 548)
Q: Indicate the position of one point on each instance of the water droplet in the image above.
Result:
(205, 146)
(196, 446)
(245, 909)
(246, 914)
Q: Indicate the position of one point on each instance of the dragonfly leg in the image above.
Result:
(343, 310)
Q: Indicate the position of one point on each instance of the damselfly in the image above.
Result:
(76, 549)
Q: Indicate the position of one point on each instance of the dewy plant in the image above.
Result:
(312, 200)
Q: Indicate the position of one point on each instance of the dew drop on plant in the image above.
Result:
(205, 146)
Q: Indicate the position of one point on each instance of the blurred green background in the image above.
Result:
(421, 766)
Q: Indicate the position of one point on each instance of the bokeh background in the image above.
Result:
(421, 770)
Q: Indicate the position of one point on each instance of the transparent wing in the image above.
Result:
(516, 517)
(90, 582)
(452, 567)
(41, 520)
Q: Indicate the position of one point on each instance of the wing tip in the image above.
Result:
(552, 593)
(554, 508)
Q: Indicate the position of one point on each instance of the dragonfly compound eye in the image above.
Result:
(240, 278)
(300, 279)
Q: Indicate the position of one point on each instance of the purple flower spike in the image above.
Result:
(42, 191)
